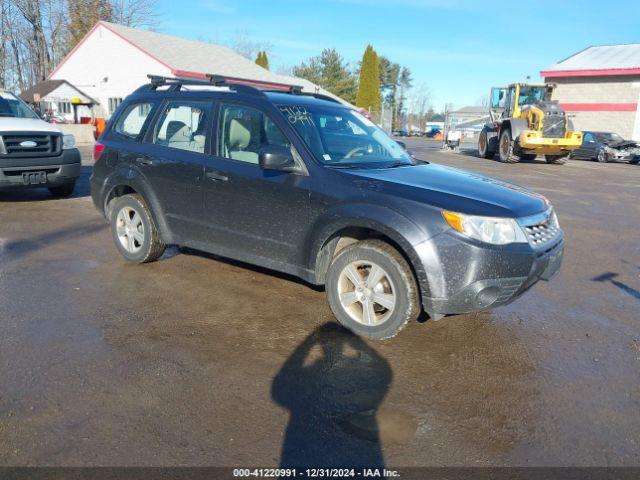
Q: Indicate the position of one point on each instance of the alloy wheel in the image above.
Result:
(130, 229)
(366, 293)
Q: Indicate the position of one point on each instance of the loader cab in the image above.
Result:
(507, 102)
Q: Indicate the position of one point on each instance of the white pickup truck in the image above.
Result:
(34, 153)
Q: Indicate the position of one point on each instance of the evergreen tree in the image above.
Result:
(262, 59)
(369, 85)
(84, 14)
(330, 71)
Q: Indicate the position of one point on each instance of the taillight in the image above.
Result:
(98, 148)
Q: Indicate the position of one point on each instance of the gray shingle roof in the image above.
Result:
(203, 57)
(603, 57)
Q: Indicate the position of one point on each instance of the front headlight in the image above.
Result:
(494, 230)
(68, 141)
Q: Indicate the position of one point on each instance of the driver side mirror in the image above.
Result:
(276, 157)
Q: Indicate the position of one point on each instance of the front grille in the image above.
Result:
(541, 229)
(553, 125)
(40, 145)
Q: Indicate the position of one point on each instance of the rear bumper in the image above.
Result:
(60, 170)
(474, 278)
(531, 141)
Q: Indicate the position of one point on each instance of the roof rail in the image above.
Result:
(176, 84)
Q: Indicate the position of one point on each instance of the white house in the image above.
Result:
(112, 60)
(59, 97)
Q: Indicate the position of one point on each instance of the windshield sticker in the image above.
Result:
(297, 115)
(327, 157)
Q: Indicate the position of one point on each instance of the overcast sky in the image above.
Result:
(456, 48)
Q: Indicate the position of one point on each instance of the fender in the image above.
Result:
(404, 233)
(127, 176)
(517, 126)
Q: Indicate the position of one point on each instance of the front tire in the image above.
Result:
(134, 231)
(372, 290)
(507, 147)
(602, 156)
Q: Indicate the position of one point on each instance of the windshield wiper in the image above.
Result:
(400, 164)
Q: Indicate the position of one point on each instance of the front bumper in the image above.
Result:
(474, 277)
(60, 170)
(532, 142)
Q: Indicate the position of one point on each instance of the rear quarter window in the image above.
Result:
(131, 123)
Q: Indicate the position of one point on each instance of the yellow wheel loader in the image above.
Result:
(526, 122)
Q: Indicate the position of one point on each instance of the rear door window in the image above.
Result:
(184, 126)
(131, 123)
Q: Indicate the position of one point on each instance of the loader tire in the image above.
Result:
(484, 146)
(506, 148)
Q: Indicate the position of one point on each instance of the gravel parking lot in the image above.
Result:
(198, 361)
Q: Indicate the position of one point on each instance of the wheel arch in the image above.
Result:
(119, 185)
(331, 237)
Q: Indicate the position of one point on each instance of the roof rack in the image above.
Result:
(240, 85)
(176, 84)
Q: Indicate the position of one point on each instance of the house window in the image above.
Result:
(64, 107)
(113, 104)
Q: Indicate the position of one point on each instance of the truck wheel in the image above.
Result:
(556, 159)
(371, 289)
(134, 231)
(507, 147)
(484, 149)
(63, 190)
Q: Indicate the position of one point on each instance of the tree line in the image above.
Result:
(35, 35)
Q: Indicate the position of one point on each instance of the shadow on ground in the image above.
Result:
(332, 385)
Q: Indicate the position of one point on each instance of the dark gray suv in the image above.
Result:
(308, 186)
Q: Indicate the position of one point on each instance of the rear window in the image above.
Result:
(132, 120)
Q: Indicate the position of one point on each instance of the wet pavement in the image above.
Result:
(197, 361)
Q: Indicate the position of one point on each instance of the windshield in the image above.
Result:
(12, 106)
(609, 137)
(532, 95)
(341, 137)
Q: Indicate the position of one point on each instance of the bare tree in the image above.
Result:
(245, 46)
(419, 105)
(136, 13)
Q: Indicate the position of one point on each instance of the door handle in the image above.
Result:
(217, 177)
(144, 161)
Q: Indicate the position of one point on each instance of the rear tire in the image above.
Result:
(484, 146)
(63, 191)
(506, 147)
(134, 231)
(556, 159)
(354, 297)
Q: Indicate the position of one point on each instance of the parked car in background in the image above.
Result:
(34, 153)
(400, 133)
(607, 147)
(310, 187)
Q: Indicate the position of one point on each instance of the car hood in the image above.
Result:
(14, 124)
(457, 190)
(622, 144)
